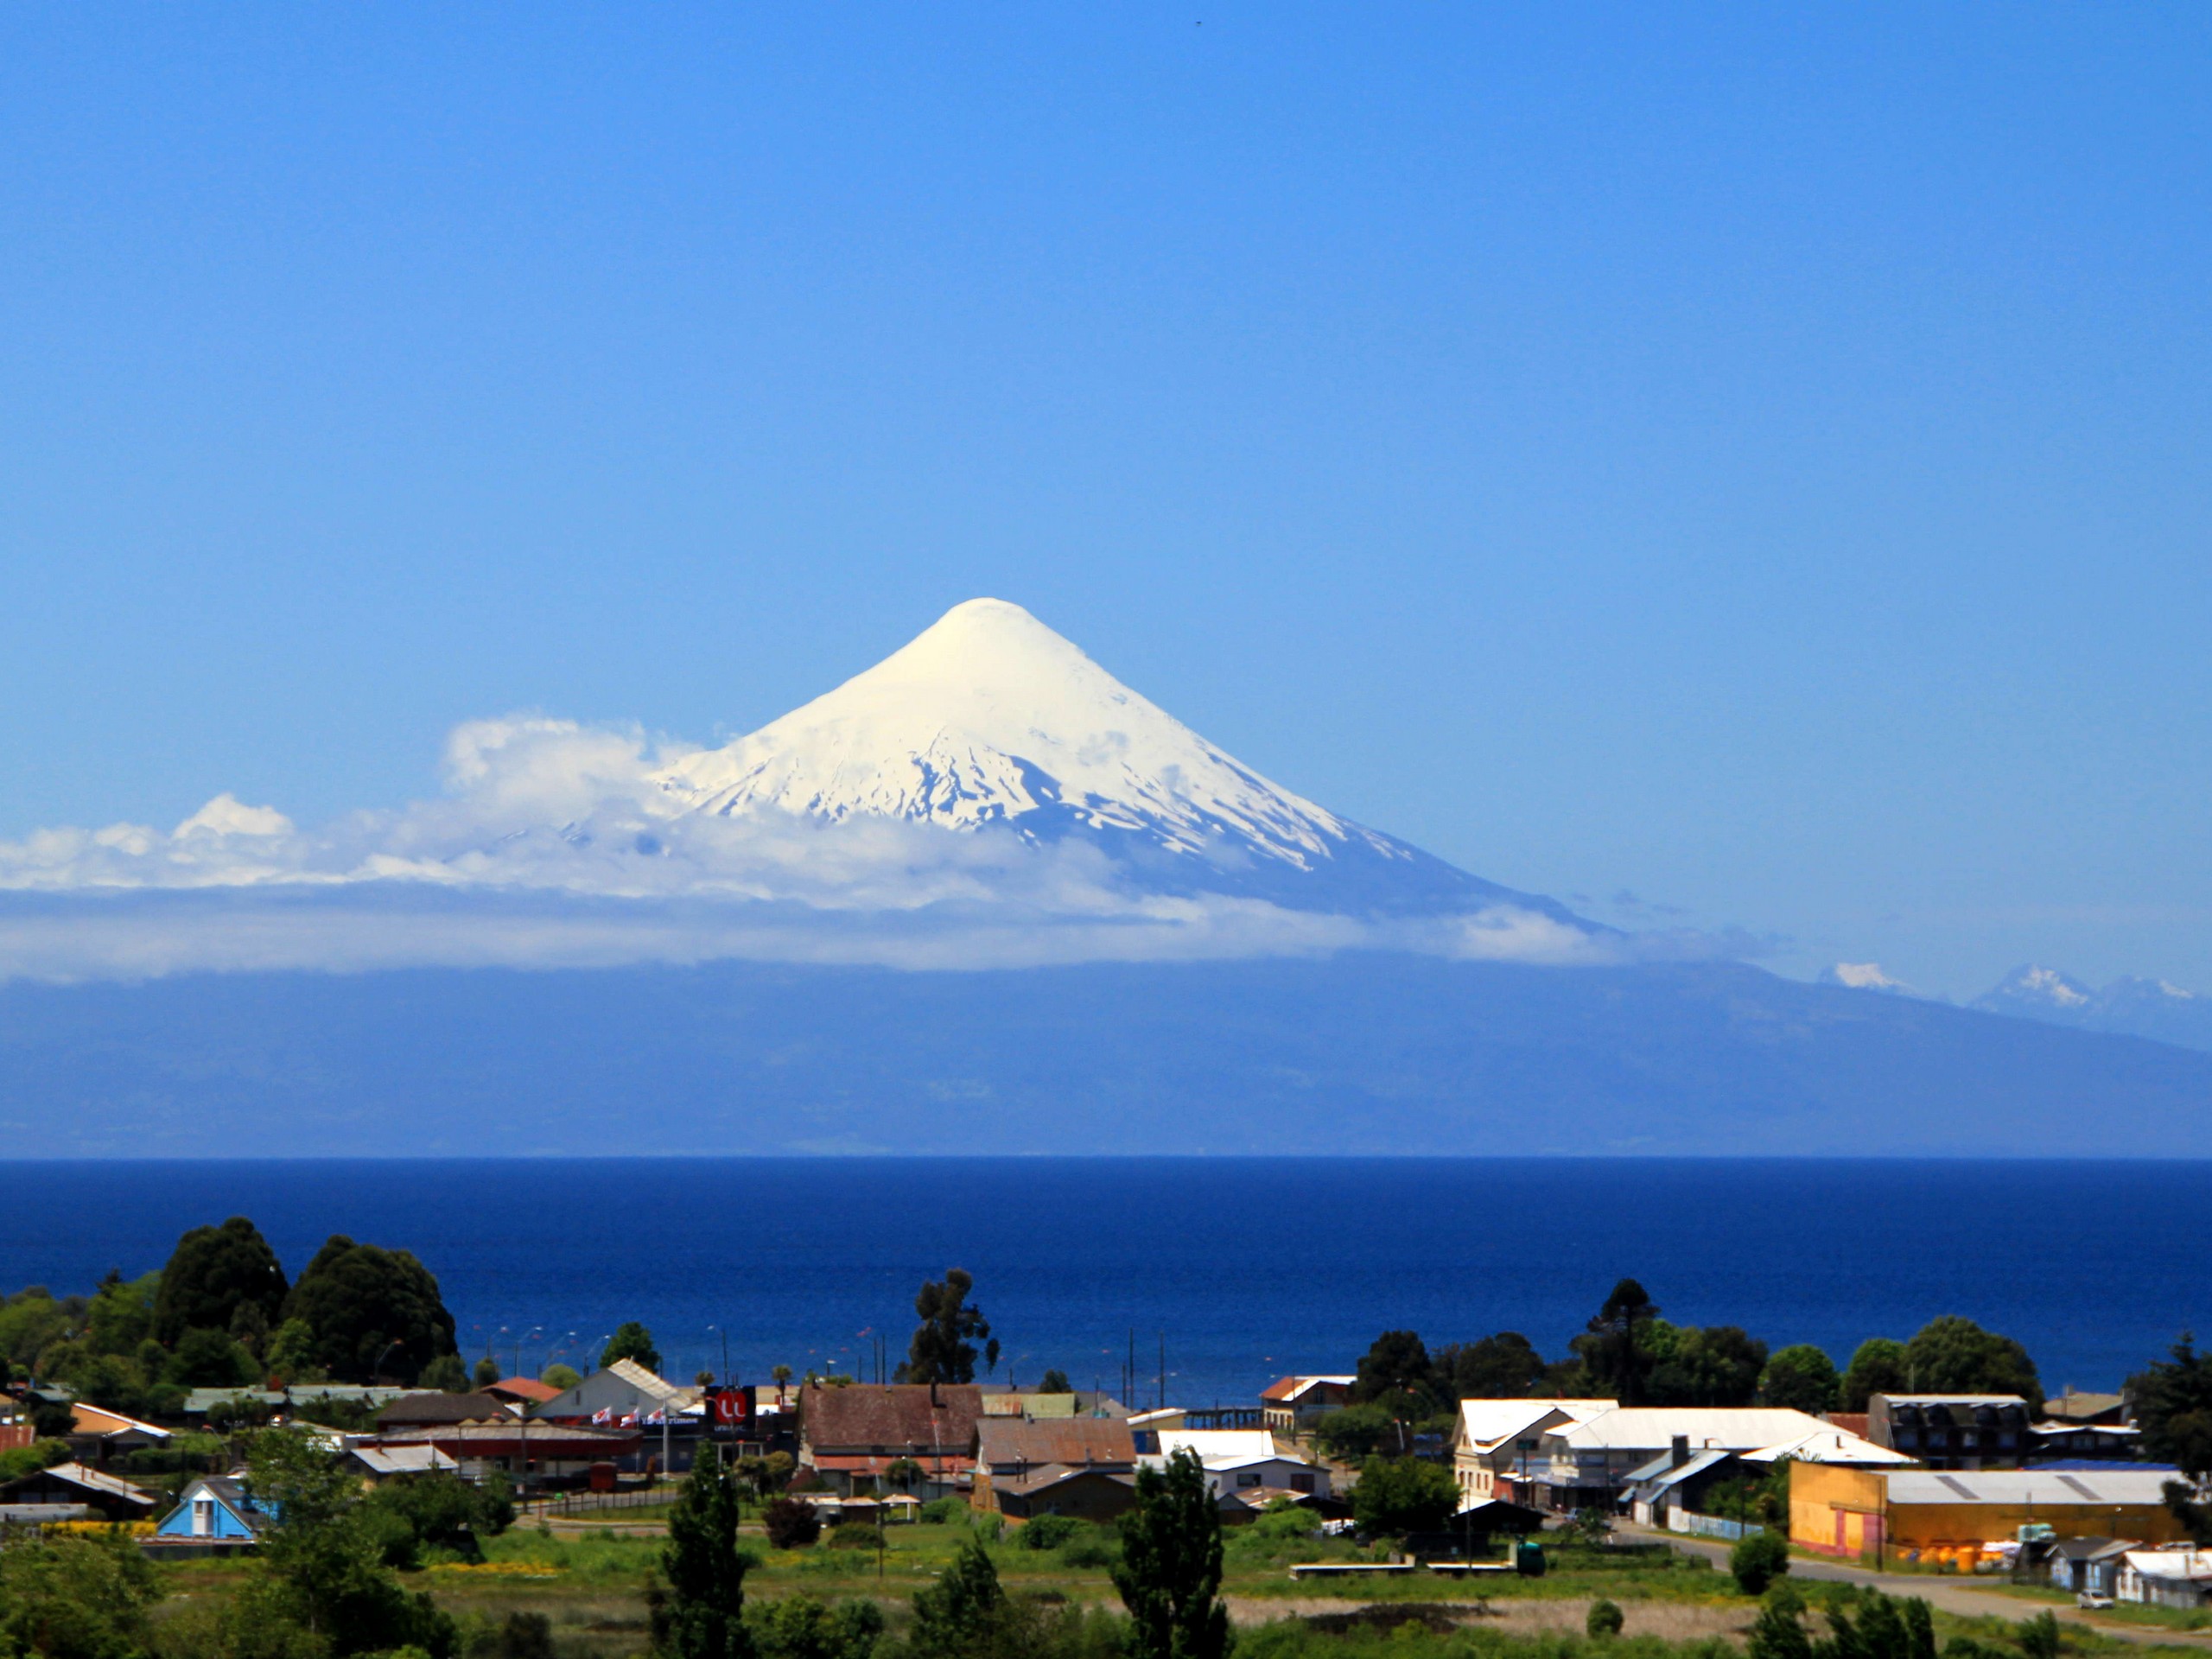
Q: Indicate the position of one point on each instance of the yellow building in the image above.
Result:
(1935, 1514)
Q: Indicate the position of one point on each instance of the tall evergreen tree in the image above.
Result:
(2173, 1404)
(213, 1272)
(701, 1613)
(954, 1619)
(1614, 1349)
(1170, 1574)
(372, 1312)
(943, 1348)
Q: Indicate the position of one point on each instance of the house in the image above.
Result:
(215, 1514)
(1951, 1431)
(2055, 1439)
(2085, 1409)
(516, 1446)
(1294, 1404)
(1238, 1460)
(1010, 1450)
(1494, 1442)
(376, 1462)
(87, 1493)
(2166, 1577)
(1085, 1494)
(622, 1396)
(200, 1401)
(1935, 1514)
(2087, 1566)
(1585, 1462)
(439, 1410)
(850, 1436)
(1081, 1402)
(103, 1433)
(524, 1391)
(1673, 1486)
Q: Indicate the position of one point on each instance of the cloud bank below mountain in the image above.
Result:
(554, 844)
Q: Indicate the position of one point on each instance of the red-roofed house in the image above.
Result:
(850, 1436)
(1296, 1402)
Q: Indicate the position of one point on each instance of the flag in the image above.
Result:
(604, 1414)
(629, 1420)
(655, 1417)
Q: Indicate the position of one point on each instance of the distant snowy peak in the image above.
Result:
(2036, 988)
(1865, 976)
(990, 718)
(2128, 1006)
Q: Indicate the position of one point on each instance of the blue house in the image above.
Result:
(214, 1509)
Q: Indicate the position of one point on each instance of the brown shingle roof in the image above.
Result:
(1072, 1440)
(413, 1408)
(866, 1416)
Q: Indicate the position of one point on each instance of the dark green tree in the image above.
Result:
(1613, 1349)
(446, 1373)
(373, 1312)
(1778, 1634)
(631, 1340)
(122, 1314)
(321, 1567)
(1710, 1365)
(1504, 1367)
(487, 1372)
(1396, 1364)
(1953, 1355)
(210, 1359)
(86, 1598)
(1801, 1377)
(438, 1511)
(1170, 1573)
(943, 1348)
(956, 1616)
(211, 1271)
(701, 1613)
(2173, 1407)
(1354, 1433)
(1055, 1382)
(1605, 1618)
(1759, 1561)
(1401, 1495)
(1876, 1367)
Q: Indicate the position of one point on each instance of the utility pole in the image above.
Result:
(1163, 1371)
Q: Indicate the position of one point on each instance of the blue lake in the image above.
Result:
(1247, 1267)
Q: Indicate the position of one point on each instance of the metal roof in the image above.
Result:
(2111, 1487)
(1487, 1423)
(1830, 1446)
(1637, 1428)
(1662, 1471)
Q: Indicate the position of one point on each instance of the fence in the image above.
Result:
(1708, 1526)
(569, 1504)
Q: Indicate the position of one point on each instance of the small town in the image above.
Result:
(209, 1460)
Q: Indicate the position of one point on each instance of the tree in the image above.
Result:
(1801, 1377)
(1778, 1634)
(120, 1317)
(1759, 1561)
(1876, 1367)
(955, 1618)
(1056, 1382)
(1170, 1573)
(2173, 1407)
(373, 1312)
(561, 1376)
(1711, 1365)
(701, 1614)
(801, 1627)
(943, 1348)
(631, 1340)
(1504, 1367)
(1397, 1363)
(1605, 1618)
(210, 1359)
(210, 1274)
(1613, 1349)
(1354, 1432)
(487, 1372)
(438, 1511)
(1953, 1355)
(1401, 1495)
(83, 1598)
(790, 1524)
(321, 1567)
(446, 1373)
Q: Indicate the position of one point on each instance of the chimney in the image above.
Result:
(1682, 1450)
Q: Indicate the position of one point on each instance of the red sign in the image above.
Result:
(728, 1406)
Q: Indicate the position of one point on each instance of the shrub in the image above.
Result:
(790, 1524)
(942, 1512)
(1759, 1561)
(1048, 1532)
(1603, 1619)
(853, 1535)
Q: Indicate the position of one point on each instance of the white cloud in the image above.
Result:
(554, 845)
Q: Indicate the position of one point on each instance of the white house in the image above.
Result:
(1238, 1460)
(1499, 1443)
(623, 1395)
(1587, 1463)
(2166, 1577)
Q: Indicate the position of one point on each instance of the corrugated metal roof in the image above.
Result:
(1635, 1429)
(2123, 1487)
(1661, 1473)
(1487, 1423)
(1830, 1446)
(1000, 1441)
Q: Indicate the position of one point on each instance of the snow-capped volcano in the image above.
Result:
(990, 720)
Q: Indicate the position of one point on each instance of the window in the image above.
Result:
(1302, 1482)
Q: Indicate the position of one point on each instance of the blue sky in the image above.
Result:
(1749, 459)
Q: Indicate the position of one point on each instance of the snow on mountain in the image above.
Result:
(988, 719)
(1865, 976)
(2129, 1007)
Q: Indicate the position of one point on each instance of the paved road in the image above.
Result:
(1952, 1595)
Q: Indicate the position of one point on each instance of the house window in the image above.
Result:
(1302, 1482)
(1248, 1478)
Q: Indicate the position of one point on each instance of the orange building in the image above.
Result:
(1927, 1513)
